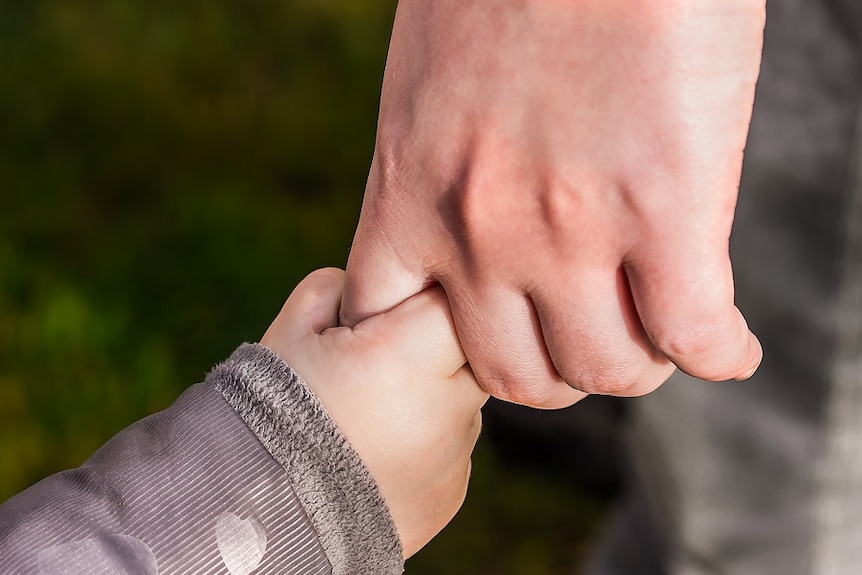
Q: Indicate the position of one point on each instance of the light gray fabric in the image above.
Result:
(838, 543)
(764, 477)
(350, 516)
(193, 491)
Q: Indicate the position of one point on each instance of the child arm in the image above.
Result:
(246, 471)
(400, 389)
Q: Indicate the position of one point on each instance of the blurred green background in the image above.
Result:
(168, 172)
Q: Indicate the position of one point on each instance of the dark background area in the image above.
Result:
(168, 172)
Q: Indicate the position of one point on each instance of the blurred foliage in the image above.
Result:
(168, 171)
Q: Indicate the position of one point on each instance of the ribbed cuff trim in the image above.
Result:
(337, 491)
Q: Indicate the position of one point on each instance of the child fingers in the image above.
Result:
(421, 331)
(310, 309)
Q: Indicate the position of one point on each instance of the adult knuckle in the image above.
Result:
(522, 390)
(707, 350)
(617, 378)
(599, 382)
(691, 342)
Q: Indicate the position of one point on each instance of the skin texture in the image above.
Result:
(568, 172)
(398, 388)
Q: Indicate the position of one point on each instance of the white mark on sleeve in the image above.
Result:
(241, 542)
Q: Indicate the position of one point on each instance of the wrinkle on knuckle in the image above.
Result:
(517, 390)
(597, 384)
(602, 379)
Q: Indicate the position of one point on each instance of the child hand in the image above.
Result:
(398, 387)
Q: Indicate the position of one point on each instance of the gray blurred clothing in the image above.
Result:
(244, 473)
(765, 477)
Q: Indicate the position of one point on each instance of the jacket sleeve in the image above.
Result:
(244, 473)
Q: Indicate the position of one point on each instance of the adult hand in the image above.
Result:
(398, 388)
(568, 171)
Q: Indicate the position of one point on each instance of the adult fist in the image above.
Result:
(568, 172)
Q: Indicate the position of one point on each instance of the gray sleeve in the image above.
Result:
(243, 474)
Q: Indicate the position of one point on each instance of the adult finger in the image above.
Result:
(377, 279)
(684, 296)
(594, 337)
(502, 339)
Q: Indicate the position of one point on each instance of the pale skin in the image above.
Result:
(568, 171)
(398, 387)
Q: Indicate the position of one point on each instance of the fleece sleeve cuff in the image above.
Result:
(334, 486)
